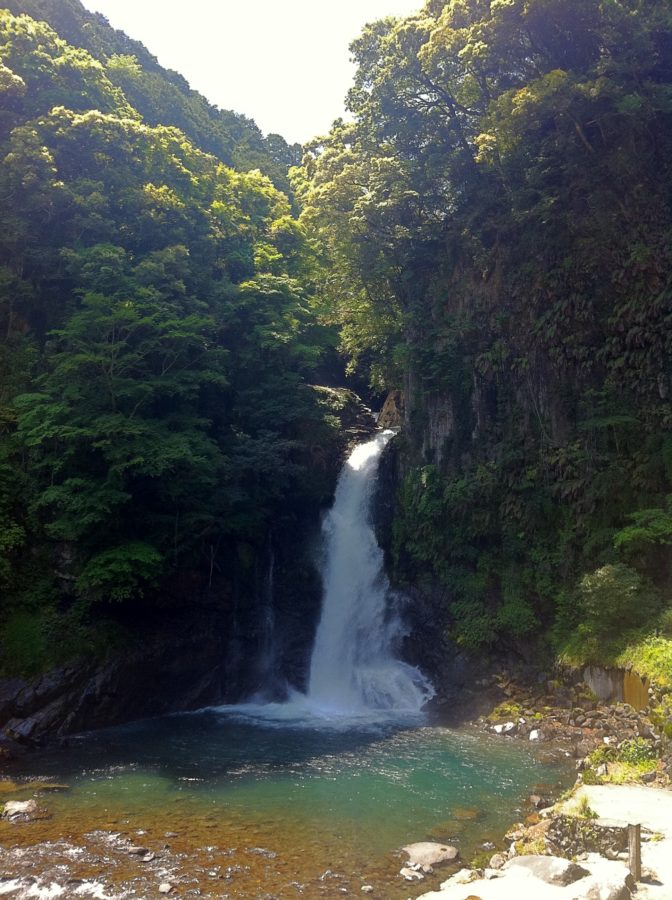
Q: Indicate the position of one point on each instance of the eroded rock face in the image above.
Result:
(392, 413)
(179, 665)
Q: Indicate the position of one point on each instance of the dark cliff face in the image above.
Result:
(176, 665)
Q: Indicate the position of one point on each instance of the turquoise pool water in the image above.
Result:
(314, 798)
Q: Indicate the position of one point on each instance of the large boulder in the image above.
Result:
(430, 854)
(551, 869)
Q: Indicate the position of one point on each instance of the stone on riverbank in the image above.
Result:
(604, 881)
(23, 811)
(551, 869)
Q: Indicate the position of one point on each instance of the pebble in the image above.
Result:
(411, 874)
(165, 888)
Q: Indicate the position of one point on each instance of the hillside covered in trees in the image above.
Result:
(491, 231)
(498, 222)
(156, 337)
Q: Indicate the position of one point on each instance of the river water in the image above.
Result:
(240, 808)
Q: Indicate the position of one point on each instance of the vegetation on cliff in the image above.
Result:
(498, 223)
(492, 232)
(156, 336)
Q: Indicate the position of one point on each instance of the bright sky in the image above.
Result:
(283, 63)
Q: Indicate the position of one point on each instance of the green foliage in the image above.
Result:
(651, 657)
(157, 327)
(636, 750)
(24, 643)
(583, 808)
(497, 217)
(36, 639)
(614, 598)
(161, 96)
(627, 763)
(118, 573)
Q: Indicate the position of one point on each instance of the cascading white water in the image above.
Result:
(355, 678)
(353, 668)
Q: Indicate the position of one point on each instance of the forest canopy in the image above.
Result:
(498, 225)
(490, 231)
(156, 333)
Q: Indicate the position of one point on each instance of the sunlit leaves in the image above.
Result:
(164, 291)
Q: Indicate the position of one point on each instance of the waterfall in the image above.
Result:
(355, 675)
(265, 663)
(353, 668)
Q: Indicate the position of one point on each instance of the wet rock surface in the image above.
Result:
(23, 811)
(88, 694)
(567, 719)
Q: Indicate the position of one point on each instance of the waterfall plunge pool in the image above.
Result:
(237, 807)
(312, 797)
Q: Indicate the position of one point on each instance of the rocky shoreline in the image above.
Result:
(617, 749)
(561, 845)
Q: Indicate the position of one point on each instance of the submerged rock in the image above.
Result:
(429, 853)
(411, 874)
(23, 811)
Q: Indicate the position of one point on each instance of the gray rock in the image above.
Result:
(22, 811)
(551, 869)
(497, 861)
(430, 853)
(606, 889)
(464, 876)
(583, 748)
(537, 735)
(367, 889)
(165, 888)
(411, 874)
